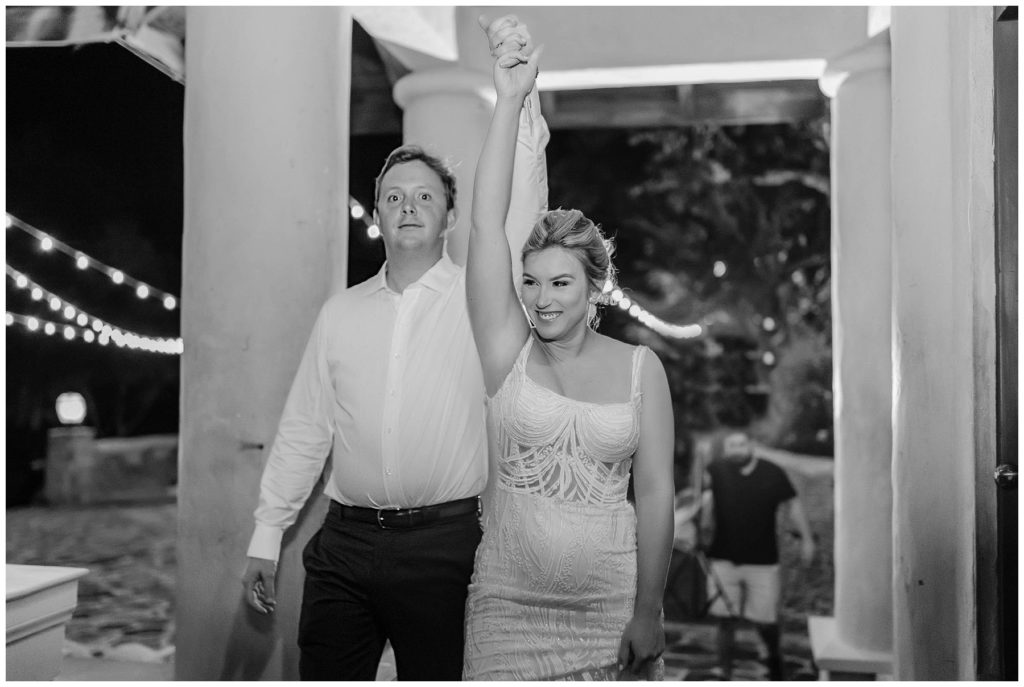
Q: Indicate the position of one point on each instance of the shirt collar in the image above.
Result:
(437, 278)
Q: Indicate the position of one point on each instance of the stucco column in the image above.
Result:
(943, 330)
(858, 83)
(266, 165)
(447, 111)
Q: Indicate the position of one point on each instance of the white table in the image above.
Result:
(40, 601)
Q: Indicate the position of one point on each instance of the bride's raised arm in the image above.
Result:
(499, 324)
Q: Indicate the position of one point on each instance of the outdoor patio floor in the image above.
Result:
(123, 626)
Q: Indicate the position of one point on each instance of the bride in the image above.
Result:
(569, 576)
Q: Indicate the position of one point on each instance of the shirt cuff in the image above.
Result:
(265, 542)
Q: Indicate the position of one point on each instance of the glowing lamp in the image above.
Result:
(70, 408)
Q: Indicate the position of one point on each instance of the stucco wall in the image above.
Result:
(943, 329)
(266, 164)
(625, 36)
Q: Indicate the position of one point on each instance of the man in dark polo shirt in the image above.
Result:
(746, 493)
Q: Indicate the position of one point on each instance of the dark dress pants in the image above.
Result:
(365, 585)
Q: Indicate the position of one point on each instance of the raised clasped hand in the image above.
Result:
(516, 63)
(506, 34)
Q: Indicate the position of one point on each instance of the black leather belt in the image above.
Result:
(404, 518)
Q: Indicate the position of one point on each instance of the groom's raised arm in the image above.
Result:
(530, 174)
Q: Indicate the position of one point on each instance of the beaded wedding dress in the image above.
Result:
(555, 575)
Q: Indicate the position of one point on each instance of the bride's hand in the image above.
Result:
(516, 73)
(516, 66)
(643, 641)
(506, 34)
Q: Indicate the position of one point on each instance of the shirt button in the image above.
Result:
(388, 472)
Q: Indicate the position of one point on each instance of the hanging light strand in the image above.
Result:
(357, 211)
(106, 334)
(648, 319)
(48, 243)
(70, 311)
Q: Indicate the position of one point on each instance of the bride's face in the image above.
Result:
(555, 292)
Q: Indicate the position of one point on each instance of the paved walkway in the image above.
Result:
(123, 626)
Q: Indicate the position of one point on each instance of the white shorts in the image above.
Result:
(752, 591)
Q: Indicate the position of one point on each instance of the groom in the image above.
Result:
(390, 386)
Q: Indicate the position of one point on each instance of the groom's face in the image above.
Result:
(412, 208)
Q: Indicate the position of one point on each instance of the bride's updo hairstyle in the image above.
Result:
(572, 231)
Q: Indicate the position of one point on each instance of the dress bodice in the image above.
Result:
(558, 447)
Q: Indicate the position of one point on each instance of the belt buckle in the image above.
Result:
(380, 518)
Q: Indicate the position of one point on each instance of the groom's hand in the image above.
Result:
(506, 35)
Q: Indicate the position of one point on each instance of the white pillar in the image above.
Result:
(447, 111)
(861, 633)
(943, 329)
(266, 165)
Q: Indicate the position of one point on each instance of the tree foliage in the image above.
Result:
(727, 227)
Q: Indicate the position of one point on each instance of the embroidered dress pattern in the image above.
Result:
(555, 575)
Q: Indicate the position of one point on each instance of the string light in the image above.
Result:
(648, 319)
(106, 335)
(142, 291)
(82, 261)
(37, 293)
(105, 330)
(357, 211)
(21, 281)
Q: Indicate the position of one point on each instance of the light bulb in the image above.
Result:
(21, 281)
(357, 211)
(169, 302)
(81, 262)
(37, 293)
(46, 243)
(32, 324)
(88, 336)
(82, 320)
(69, 312)
(117, 276)
(50, 328)
(69, 333)
(54, 303)
(142, 291)
(373, 231)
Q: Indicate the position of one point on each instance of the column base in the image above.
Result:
(832, 655)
